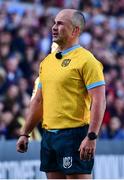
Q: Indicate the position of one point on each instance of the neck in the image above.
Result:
(65, 46)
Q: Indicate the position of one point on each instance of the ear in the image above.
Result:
(76, 31)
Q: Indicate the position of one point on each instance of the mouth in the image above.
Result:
(54, 34)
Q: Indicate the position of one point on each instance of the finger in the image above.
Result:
(21, 151)
(90, 154)
(80, 151)
(85, 153)
(22, 147)
(82, 154)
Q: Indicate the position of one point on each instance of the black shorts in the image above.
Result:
(59, 151)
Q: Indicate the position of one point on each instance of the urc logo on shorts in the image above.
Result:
(67, 162)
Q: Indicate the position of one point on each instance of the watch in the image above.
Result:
(92, 136)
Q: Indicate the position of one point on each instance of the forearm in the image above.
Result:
(97, 113)
(33, 117)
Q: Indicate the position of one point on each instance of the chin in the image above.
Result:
(55, 40)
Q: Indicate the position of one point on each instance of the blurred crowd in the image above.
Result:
(25, 39)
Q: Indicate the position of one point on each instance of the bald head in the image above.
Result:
(67, 11)
(76, 17)
(66, 14)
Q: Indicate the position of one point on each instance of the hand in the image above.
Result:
(22, 144)
(87, 149)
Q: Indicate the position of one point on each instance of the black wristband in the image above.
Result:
(26, 135)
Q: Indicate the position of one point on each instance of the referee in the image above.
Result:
(71, 101)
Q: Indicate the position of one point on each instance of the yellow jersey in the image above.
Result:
(65, 83)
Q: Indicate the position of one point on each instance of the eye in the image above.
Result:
(60, 22)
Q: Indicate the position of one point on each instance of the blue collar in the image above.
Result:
(70, 49)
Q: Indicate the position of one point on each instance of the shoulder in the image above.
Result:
(84, 52)
(88, 59)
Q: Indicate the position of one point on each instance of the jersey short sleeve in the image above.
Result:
(36, 83)
(93, 73)
(40, 71)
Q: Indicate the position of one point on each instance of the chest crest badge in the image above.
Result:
(65, 62)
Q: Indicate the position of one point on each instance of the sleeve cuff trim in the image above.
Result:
(93, 85)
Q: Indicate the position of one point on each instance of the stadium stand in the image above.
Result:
(25, 39)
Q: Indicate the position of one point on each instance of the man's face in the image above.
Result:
(62, 28)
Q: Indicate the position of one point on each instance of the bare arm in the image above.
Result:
(97, 108)
(87, 147)
(35, 113)
(34, 116)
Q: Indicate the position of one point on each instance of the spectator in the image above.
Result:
(25, 39)
(113, 130)
(2, 76)
(13, 71)
(9, 126)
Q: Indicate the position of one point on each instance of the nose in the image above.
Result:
(54, 28)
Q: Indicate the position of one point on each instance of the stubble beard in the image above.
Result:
(59, 41)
